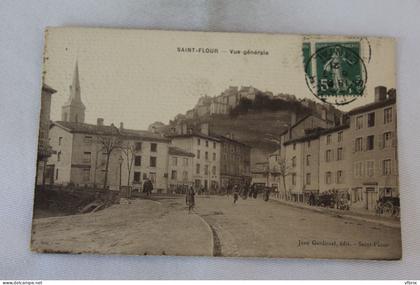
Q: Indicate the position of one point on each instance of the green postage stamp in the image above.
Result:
(335, 71)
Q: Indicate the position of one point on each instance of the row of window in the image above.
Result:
(329, 155)
(371, 119)
(339, 177)
(361, 168)
(138, 161)
(368, 143)
(206, 155)
(206, 143)
(328, 138)
(206, 169)
(175, 161)
(137, 177)
(367, 168)
(174, 175)
(87, 158)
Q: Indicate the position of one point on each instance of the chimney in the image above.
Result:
(121, 126)
(100, 121)
(392, 93)
(380, 93)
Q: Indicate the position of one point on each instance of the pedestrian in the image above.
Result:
(267, 193)
(255, 192)
(190, 199)
(148, 187)
(311, 199)
(235, 194)
(228, 189)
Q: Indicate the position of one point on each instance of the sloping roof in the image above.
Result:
(224, 138)
(372, 106)
(87, 128)
(199, 135)
(316, 134)
(108, 130)
(173, 150)
(301, 120)
(48, 88)
(144, 135)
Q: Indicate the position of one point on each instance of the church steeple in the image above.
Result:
(74, 109)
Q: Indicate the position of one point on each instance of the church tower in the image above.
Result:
(74, 110)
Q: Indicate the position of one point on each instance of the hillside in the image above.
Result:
(254, 129)
(254, 118)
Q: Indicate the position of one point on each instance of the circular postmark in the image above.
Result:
(336, 73)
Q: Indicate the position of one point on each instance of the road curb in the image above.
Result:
(338, 215)
(209, 229)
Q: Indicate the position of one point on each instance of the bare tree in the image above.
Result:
(284, 171)
(108, 144)
(128, 151)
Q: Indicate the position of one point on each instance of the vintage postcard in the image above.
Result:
(217, 144)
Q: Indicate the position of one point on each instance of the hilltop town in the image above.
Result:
(249, 115)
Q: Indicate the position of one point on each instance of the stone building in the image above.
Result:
(299, 152)
(80, 158)
(206, 162)
(373, 139)
(356, 159)
(44, 148)
(180, 169)
(149, 158)
(235, 161)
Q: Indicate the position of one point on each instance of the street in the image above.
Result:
(251, 227)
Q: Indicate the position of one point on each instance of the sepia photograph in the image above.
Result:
(157, 142)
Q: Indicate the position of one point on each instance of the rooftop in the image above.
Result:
(195, 134)
(224, 138)
(108, 130)
(372, 106)
(316, 134)
(144, 135)
(87, 128)
(49, 89)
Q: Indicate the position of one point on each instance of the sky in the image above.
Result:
(139, 77)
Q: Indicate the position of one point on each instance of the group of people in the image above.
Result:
(246, 191)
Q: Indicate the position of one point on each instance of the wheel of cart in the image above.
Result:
(387, 209)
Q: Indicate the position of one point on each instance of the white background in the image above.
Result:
(21, 42)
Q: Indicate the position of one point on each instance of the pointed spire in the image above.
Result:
(75, 86)
(74, 109)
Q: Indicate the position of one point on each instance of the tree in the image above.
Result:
(108, 144)
(284, 171)
(128, 151)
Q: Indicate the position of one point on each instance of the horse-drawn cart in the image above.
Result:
(388, 206)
